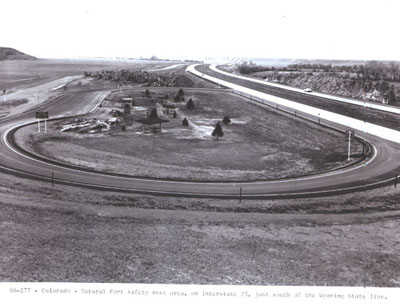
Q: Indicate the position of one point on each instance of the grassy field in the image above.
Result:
(258, 144)
(17, 74)
(66, 234)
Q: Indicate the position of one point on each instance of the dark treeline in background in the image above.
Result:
(372, 80)
(371, 70)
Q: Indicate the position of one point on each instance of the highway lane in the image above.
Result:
(381, 167)
(305, 105)
(365, 104)
(364, 114)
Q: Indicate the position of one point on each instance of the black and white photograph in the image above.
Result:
(200, 145)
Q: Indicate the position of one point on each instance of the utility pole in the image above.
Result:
(350, 137)
(348, 155)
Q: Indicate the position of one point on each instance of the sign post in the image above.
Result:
(42, 115)
(350, 137)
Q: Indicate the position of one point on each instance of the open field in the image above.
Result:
(258, 144)
(18, 74)
(36, 81)
(77, 235)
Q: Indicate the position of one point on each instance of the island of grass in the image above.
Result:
(259, 143)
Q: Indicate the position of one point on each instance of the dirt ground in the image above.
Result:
(77, 235)
(258, 144)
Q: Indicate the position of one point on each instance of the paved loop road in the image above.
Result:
(382, 167)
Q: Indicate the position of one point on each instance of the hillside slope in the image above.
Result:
(336, 84)
(377, 91)
(12, 54)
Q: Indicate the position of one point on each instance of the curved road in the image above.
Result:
(383, 166)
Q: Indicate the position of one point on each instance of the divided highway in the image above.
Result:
(378, 170)
(380, 123)
(365, 104)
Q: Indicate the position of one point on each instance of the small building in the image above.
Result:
(129, 100)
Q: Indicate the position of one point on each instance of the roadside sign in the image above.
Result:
(42, 115)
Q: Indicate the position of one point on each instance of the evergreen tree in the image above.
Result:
(153, 113)
(178, 98)
(218, 131)
(190, 104)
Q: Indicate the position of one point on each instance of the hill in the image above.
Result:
(12, 54)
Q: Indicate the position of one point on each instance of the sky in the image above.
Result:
(305, 29)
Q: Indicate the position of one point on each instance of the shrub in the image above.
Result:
(185, 122)
(226, 120)
(190, 104)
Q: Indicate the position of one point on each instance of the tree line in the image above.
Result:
(370, 70)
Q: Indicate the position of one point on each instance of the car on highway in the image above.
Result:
(307, 90)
